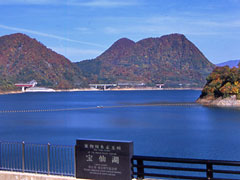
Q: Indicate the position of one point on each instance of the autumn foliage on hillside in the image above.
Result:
(170, 59)
(222, 82)
(23, 59)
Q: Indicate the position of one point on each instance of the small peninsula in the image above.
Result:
(222, 88)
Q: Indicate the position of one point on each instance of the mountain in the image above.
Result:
(231, 63)
(171, 59)
(23, 59)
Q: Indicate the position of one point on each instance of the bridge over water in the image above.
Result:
(102, 86)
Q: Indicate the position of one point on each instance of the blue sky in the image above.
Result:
(83, 29)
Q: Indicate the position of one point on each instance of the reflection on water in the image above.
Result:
(161, 123)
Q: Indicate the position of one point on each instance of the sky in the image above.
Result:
(83, 29)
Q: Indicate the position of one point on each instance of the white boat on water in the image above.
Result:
(39, 89)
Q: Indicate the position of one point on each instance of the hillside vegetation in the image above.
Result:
(23, 59)
(222, 82)
(170, 59)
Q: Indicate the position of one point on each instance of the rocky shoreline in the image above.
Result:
(231, 101)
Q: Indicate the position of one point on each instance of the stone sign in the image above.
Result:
(103, 159)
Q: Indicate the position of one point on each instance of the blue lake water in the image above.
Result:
(190, 131)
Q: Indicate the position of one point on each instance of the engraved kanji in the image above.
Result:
(89, 158)
(102, 159)
(115, 159)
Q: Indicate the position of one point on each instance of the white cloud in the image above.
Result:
(161, 19)
(48, 35)
(226, 24)
(83, 29)
(235, 1)
(86, 3)
(76, 54)
(75, 51)
(158, 25)
(105, 3)
(32, 2)
(156, 30)
(113, 30)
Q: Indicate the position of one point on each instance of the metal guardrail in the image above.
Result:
(37, 158)
(60, 160)
(179, 168)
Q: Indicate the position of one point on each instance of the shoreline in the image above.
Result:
(9, 92)
(231, 101)
(125, 89)
(114, 89)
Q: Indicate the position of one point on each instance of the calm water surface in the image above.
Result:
(173, 131)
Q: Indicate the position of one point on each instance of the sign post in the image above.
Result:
(103, 159)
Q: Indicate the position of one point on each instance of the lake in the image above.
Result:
(158, 122)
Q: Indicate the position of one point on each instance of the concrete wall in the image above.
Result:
(6, 175)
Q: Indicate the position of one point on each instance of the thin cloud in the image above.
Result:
(26, 2)
(83, 30)
(156, 25)
(162, 19)
(158, 30)
(105, 3)
(88, 3)
(228, 24)
(48, 35)
(77, 51)
(76, 54)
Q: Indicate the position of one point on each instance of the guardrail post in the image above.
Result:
(23, 156)
(140, 169)
(48, 158)
(209, 171)
(75, 161)
(0, 155)
(132, 168)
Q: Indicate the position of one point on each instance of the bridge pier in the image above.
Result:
(160, 86)
(102, 86)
